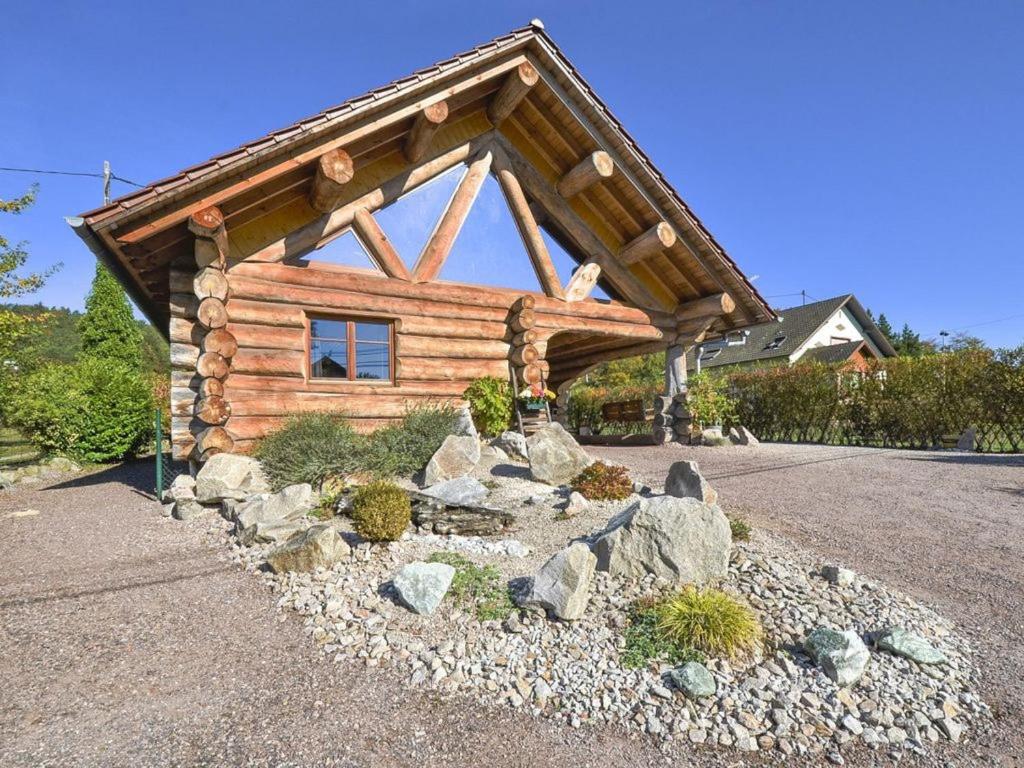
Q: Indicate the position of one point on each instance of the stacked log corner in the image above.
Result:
(217, 345)
(527, 366)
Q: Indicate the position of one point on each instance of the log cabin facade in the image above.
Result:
(227, 257)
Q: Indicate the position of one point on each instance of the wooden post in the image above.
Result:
(423, 129)
(592, 169)
(334, 169)
(513, 91)
(675, 370)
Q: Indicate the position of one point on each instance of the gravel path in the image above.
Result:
(128, 639)
(947, 528)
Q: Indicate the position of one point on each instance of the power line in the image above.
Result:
(69, 173)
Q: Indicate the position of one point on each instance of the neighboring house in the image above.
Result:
(829, 331)
(484, 216)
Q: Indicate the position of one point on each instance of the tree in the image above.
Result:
(886, 328)
(108, 329)
(964, 341)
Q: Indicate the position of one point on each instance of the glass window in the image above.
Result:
(345, 250)
(349, 349)
(411, 219)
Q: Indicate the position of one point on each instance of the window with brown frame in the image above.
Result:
(348, 348)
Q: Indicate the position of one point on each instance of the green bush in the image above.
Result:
(709, 402)
(381, 511)
(482, 590)
(93, 410)
(406, 447)
(310, 449)
(490, 402)
(710, 621)
(740, 529)
(603, 482)
(644, 643)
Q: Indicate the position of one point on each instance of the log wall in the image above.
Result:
(446, 335)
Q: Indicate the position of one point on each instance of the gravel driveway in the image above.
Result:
(127, 639)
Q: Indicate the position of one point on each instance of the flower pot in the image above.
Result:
(534, 406)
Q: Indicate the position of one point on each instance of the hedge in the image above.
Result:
(903, 402)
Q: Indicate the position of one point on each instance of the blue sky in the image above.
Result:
(871, 147)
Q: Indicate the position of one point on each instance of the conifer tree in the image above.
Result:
(108, 329)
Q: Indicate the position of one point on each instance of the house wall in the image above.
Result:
(446, 335)
(842, 324)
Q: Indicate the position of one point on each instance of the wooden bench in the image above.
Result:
(625, 411)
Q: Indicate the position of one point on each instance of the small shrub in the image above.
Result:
(381, 511)
(481, 589)
(93, 410)
(406, 447)
(310, 449)
(709, 401)
(490, 403)
(710, 621)
(603, 482)
(327, 507)
(740, 529)
(644, 643)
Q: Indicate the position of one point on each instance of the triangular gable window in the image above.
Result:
(344, 250)
(565, 264)
(410, 220)
(488, 249)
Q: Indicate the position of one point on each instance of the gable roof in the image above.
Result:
(796, 325)
(834, 353)
(136, 235)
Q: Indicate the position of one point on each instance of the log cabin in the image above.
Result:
(345, 263)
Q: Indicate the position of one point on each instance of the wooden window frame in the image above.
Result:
(350, 321)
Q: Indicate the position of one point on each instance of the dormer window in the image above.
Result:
(776, 342)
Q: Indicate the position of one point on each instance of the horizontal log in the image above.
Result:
(592, 169)
(569, 362)
(211, 252)
(354, 405)
(524, 302)
(213, 440)
(517, 84)
(709, 306)
(424, 127)
(211, 388)
(279, 362)
(265, 313)
(180, 280)
(210, 283)
(653, 241)
(212, 365)
(252, 385)
(334, 169)
(221, 341)
(610, 328)
(212, 313)
(268, 336)
(434, 346)
(524, 355)
(435, 369)
(529, 374)
(183, 305)
(526, 337)
(184, 405)
(208, 222)
(523, 320)
(213, 410)
(184, 356)
(185, 331)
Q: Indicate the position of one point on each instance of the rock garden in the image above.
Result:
(520, 572)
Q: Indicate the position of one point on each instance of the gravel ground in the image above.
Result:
(130, 640)
(944, 527)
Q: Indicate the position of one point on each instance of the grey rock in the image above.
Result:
(575, 504)
(911, 646)
(555, 457)
(842, 656)
(318, 546)
(422, 586)
(512, 443)
(190, 509)
(167, 510)
(494, 453)
(562, 585)
(679, 539)
(950, 728)
(288, 504)
(229, 476)
(457, 456)
(6, 481)
(458, 491)
(835, 574)
(63, 464)
(183, 487)
(464, 423)
(272, 532)
(694, 679)
(742, 436)
(685, 481)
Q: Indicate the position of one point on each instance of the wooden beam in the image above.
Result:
(569, 221)
(514, 90)
(693, 331)
(334, 169)
(423, 129)
(708, 306)
(654, 240)
(440, 244)
(593, 168)
(528, 229)
(373, 237)
(582, 282)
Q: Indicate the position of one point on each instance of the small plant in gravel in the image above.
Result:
(644, 643)
(381, 511)
(481, 588)
(327, 507)
(603, 482)
(740, 529)
(710, 621)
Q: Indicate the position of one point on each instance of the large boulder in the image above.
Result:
(842, 656)
(422, 586)
(458, 491)
(562, 585)
(685, 481)
(512, 443)
(318, 546)
(267, 511)
(910, 646)
(182, 487)
(229, 476)
(742, 436)
(464, 423)
(680, 539)
(457, 456)
(555, 457)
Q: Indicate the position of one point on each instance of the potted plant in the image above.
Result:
(534, 397)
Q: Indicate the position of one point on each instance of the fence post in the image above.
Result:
(159, 457)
